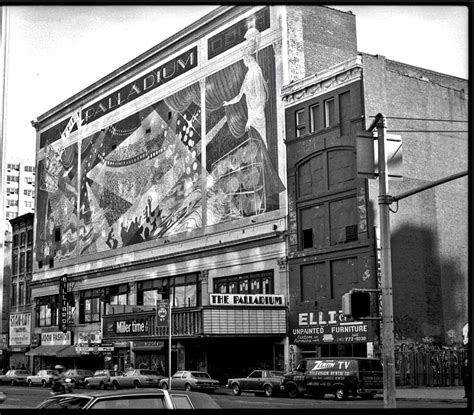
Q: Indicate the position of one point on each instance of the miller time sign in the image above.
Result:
(247, 299)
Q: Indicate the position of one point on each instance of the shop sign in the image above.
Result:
(63, 304)
(94, 336)
(247, 299)
(95, 348)
(159, 344)
(119, 326)
(20, 329)
(56, 338)
(324, 327)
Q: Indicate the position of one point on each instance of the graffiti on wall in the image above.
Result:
(141, 177)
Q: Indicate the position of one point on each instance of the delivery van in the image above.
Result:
(340, 376)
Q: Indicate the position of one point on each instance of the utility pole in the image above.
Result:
(388, 354)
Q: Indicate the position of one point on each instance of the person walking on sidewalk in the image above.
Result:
(466, 378)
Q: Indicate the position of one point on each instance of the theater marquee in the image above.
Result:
(247, 299)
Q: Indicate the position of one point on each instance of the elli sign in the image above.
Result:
(247, 299)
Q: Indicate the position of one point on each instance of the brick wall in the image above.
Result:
(429, 231)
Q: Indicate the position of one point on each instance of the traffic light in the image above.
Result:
(356, 304)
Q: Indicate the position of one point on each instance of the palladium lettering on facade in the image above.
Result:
(246, 299)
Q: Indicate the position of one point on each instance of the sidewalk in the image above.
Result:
(447, 393)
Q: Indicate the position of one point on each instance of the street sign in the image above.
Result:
(162, 310)
(367, 155)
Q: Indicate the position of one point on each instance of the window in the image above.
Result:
(315, 115)
(183, 289)
(255, 283)
(29, 203)
(29, 180)
(21, 293)
(28, 294)
(22, 262)
(313, 282)
(299, 123)
(15, 265)
(13, 295)
(30, 169)
(329, 113)
(29, 261)
(12, 191)
(15, 240)
(30, 236)
(12, 178)
(13, 166)
(89, 306)
(57, 234)
(28, 192)
(12, 202)
(118, 294)
(47, 311)
(23, 238)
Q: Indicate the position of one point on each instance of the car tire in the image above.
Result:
(30, 383)
(187, 387)
(115, 385)
(236, 389)
(268, 391)
(102, 386)
(292, 391)
(164, 385)
(340, 393)
(88, 385)
(136, 384)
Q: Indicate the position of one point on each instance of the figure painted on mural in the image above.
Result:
(254, 87)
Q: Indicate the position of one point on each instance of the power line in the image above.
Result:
(419, 119)
(428, 131)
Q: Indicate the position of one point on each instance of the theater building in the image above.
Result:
(333, 230)
(167, 180)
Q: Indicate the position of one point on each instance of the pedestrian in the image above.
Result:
(466, 378)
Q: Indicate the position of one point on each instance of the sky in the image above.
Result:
(56, 51)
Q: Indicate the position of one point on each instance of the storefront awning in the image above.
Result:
(46, 350)
(69, 351)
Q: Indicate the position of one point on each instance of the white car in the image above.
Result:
(43, 377)
(191, 380)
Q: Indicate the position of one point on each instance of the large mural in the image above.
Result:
(141, 178)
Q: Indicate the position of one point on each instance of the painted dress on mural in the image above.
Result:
(242, 137)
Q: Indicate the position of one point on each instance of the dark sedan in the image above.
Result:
(133, 399)
(259, 381)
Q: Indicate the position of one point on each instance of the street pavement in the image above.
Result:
(443, 394)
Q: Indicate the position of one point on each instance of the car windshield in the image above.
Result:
(276, 373)
(21, 372)
(199, 375)
(149, 372)
(64, 402)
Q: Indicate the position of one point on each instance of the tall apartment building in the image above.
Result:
(217, 171)
(19, 197)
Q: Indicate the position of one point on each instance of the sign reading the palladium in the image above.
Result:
(246, 299)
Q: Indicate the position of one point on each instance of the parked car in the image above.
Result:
(146, 398)
(191, 380)
(15, 377)
(101, 378)
(266, 381)
(43, 377)
(340, 376)
(77, 377)
(137, 378)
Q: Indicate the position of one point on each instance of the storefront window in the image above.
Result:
(47, 311)
(149, 292)
(255, 283)
(184, 290)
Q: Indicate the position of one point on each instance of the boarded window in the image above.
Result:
(313, 281)
(343, 276)
(343, 213)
